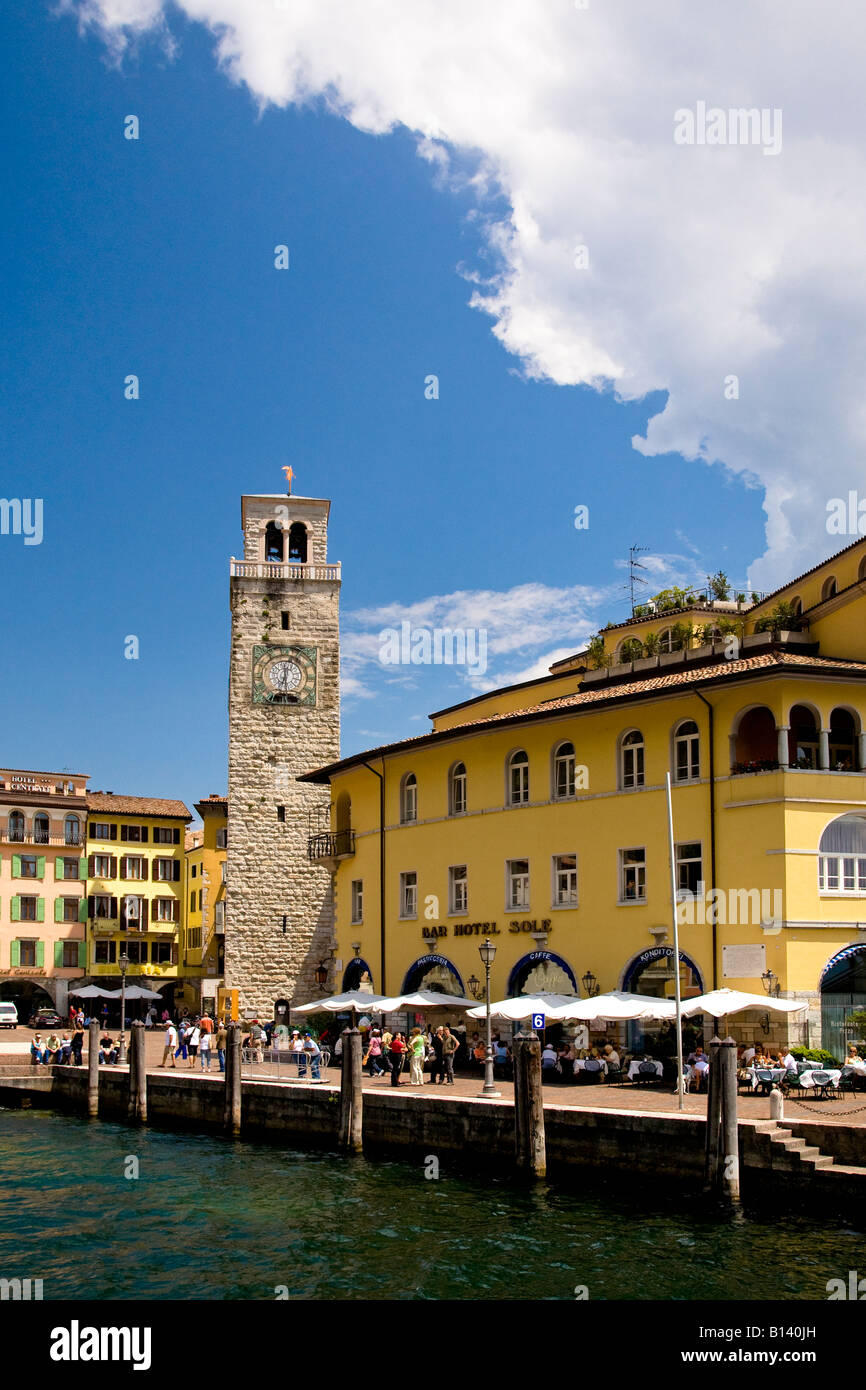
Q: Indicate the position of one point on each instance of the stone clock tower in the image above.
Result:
(284, 718)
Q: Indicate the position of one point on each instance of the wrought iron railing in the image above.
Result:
(331, 845)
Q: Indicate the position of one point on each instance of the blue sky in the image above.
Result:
(155, 257)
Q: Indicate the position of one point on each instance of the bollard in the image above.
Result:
(137, 1106)
(93, 1067)
(777, 1105)
(730, 1153)
(530, 1146)
(711, 1165)
(232, 1114)
(351, 1096)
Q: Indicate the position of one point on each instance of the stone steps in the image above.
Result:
(802, 1155)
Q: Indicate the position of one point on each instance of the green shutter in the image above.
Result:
(58, 912)
(82, 955)
(40, 912)
(58, 954)
(40, 951)
(58, 870)
(40, 866)
(16, 866)
(16, 914)
(15, 953)
(82, 870)
(82, 911)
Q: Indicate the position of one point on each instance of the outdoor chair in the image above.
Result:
(647, 1073)
(744, 1081)
(822, 1083)
(765, 1081)
(614, 1075)
(593, 1071)
(791, 1082)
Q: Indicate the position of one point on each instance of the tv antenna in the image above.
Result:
(633, 565)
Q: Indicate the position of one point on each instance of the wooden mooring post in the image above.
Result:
(351, 1095)
(137, 1105)
(722, 1152)
(529, 1141)
(232, 1114)
(93, 1068)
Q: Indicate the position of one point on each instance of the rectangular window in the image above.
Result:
(357, 900)
(101, 905)
(135, 866)
(28, 866)
(27, 952)
(223, 872)
(281, 813)
(192, 902)
(135, 834)
(70, 954)
(632, 761)
(28, 911)
(102, 866)
(409, 895)
(632, 869)
(193, 871)
(565, 880)
(517, 883)
(136, 952)
(100, 830)
(104, 953)
(70, 868)
(165, 910)
(164, 870)
(199, 898)
(219, 914)
(458, 791)
(842, 873)
(160, 952)
(222, 837)
(70, 909)
(689, 867)
(458, 889)
(518, 780)
(163, 835)
(193, 938)
(284, 621)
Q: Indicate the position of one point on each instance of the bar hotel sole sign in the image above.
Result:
(485, 928)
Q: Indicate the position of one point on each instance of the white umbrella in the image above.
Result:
(423, 999)
(354, 1001)
(93, 992)
(616, 1004)
(139, 992)
(721, 1002)
(516, 1010)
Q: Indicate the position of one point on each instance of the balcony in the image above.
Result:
(39, 837)
(329, 848)
(271, 569)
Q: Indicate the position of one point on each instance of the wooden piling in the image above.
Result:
(351, 1096)
(711, 1165)
(730, 1175)
(137, 1105)
(93, 1067)
(233, 1081)
(529, 1139)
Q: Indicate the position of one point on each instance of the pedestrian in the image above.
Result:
(374, 1053)
(312, 1050)
(449, 1047)
(221, 1040)
(180, 1033)
(79, 1018)
(437, 1066)
(386, 1048)
(170, 1043)
(77, 1042)
(398, 1051)
(417, 1047)
(257, 1034)
(204, 1050)
(192, 1042)
(150, 1018)
(298, 1050)
(206, 1023)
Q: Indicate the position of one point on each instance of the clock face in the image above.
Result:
(284, 676)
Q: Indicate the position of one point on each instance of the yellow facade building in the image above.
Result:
(537, 814)
(135, 882)
(204, 903)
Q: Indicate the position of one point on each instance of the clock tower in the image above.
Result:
(284, 718)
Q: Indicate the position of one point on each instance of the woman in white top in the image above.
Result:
(204, 1049)
(192, 1043)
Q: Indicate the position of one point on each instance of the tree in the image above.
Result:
(719, 586)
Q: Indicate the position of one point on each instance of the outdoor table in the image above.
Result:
(806, 1076)
(580, 1064)
(777, 1073)
(634, 1067)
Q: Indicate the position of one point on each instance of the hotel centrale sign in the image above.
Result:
(29, 784)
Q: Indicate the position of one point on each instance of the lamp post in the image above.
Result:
(123, 962)
(590, 985)
(487, 952)
(771, 984)
(474, 987)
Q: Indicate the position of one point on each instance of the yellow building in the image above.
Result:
(537, 814)
(135, 880)
(204, 902)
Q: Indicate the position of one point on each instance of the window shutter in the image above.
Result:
(144, 834)
(175, 836)
(112, 865)
(15, 952)
(58, 869)
(176, 871)
(40, 866)
(16, 866)
(114, 907)
(124, 832)
(145, 869)
(82, 910)
(113, 832)
(82, 870)
(82, 955)
(40, 951)
(58, 912)
(58, 954)
(144, 907)
(91, 906)
(40, 912)
(123, 914)
(175, 910)
(91, 864)
(123, 866)
(174, 955)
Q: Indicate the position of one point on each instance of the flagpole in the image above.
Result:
(679, 1002)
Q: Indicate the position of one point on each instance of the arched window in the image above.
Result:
(16, 826)
(631, 760)
(843, 741)
(842, 856)
(829, 588)
(563, 772)
(803, 739)
(72, 830)
(754, 746)
(41, 828)
(796, 607)
(518, 778)
(457, 790)
(687, 751)
(861, 572)
(298, 543)
(274, 543)
(666, 640)
(409, 799)
(630, 650)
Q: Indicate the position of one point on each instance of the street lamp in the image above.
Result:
(771, 983)
(590, 985)
(487, 952)
(123, 962)
(474, 987)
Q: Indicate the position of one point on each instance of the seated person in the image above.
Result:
(749, 1055)
(52, 1048)
(789, 1061)
(549, 1058)
(107, 1050)
(611, 1056)
(500, 1052)
(38, 1051)
(479, 1051)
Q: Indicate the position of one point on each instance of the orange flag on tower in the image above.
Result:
(290, 473)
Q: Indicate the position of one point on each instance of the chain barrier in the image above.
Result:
(815, 1111)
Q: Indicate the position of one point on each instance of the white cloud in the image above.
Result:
(703, 261)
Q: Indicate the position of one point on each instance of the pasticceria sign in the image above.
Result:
(486, 928)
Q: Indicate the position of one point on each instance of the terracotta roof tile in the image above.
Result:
(136, 805)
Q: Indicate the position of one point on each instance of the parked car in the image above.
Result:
(8, 1016)
(45, 1018)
